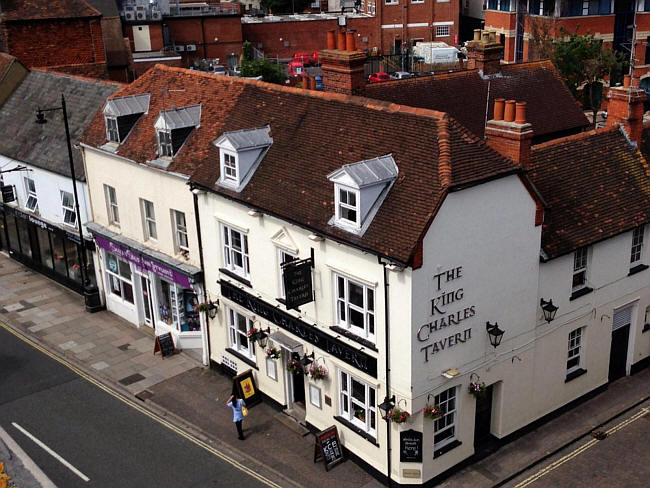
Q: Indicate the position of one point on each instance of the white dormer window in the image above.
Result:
(229, 168)
(347, 205)
(122, 113)
(174, 127)
(241, 152)
(165, 148)
(112, 134)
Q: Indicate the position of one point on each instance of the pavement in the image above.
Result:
(191, 396)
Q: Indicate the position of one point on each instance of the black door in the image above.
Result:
(483, 419)
(618, 353)
(298, 384)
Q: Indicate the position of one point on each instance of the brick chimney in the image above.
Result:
(342, 65)
(484, 52)
(625, 107)
(509, 133)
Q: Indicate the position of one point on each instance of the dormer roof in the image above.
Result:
(246, 139)
(179, 118)
(366, 173)
(129, 105)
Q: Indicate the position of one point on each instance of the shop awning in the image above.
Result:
(286, 342)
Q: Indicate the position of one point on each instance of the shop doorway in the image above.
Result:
(297, 384)
(146, 300)
(484, 441)
(618, 353)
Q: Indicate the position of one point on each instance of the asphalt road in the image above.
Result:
(622, 459)
(108, 441)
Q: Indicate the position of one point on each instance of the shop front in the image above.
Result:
(46, 247)
(150, 289)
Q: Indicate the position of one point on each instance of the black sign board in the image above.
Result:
(297, 282)
(328, 447)
(8, 194)
(410, 446)
(357, 359)
(244, 385)
(164, 344)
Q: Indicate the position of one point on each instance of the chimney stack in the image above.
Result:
(625, 107)
(509, 133)
(484, 53)
(342, 68)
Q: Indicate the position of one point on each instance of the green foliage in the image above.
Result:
(246, 52)
(269, 71)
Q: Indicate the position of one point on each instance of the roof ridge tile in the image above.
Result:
(575, 137)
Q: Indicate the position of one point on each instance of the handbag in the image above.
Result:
(244, 411)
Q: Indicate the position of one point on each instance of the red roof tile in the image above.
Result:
(596, 185)
(15, 10)
(462, 94)
(314, 133)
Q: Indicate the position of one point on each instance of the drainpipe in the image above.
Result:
(387, 354)
(195, 197)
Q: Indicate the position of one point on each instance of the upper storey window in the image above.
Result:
(121, 115)
(240, 153)
(359, 190)
(174, 127)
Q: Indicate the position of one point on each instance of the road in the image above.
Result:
(622, 459)
(44, 405)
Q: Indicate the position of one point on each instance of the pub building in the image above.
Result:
(38, 221)
(416, 292)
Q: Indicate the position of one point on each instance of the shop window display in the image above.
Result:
(119, 277)
(178, 307)
(23, 235)
(45, 248)
(59, 255)
(13, 233)
(74, 267)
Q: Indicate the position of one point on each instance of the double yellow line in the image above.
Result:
(568, 457)
(143, 410)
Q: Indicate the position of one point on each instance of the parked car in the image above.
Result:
(378, 77)
(400, 75)
(218, 69)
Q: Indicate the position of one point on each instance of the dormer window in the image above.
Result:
(241, 152)
(174, 127)
(359, 190)
(122, 113)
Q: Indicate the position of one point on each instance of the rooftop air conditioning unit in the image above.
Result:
(141, 16)
(190, 47)
(129, 14)
(156, 15)
(179, 49)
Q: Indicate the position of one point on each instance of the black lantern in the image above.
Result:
(306, 360)
(263, 337)
(549, 309)
(386, 406)
(494, 333)
(213, 309)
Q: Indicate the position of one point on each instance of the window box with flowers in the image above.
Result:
(273, 352)
(317, 372)
(433, 412)
(398, 415)
(477, 389)
(294, 366)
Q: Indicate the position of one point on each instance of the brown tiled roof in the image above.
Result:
(462, 94)
(314, 133)
(596, 185)
(13, 10)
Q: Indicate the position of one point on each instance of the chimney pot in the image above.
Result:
(509, 113)
(520, 113)
(331, 39)
(485, 36)
(626, 81)
(477, 34)
(493, 36)
(340, 41)
(499, 106)
(349, 41)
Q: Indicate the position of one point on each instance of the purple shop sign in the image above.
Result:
(144, 264)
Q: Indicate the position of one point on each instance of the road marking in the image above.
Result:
(568, 457)
(141, 409)
(28, 462)
(52, 453)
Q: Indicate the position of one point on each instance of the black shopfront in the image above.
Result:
(45, 247)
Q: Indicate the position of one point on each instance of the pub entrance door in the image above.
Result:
(484, 441)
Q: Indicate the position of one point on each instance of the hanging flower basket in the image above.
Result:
(294, 366)
(205, 306)
(273, 353)
(254, 334)
(433, 412)
(398, 415)
(476, 389)
(317, 372)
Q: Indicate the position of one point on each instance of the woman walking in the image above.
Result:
(236, 404)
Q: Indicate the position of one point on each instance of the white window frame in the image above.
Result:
(574, 352)
(282, 255)
(391, 2)
(68, 210)
(449, 420)
(348, 404)
(237, 338)
(343, 300)
(580, 265)
(636, 252)
(148, 220)
(229, 251)
(112, 209)
(417, 1)
(229, 168)
(180, 232)
(112, 131)
(30, 191)
(338, 189)
(165, 147)
(112, 277)
(441, 29)
(315, 396)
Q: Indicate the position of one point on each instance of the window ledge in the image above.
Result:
(354, 337)
(243, 358)
(581, 292)
(646, 328)
(356, 430)
(446, 448)
(574, 374)
(637, 269)
(235, 276)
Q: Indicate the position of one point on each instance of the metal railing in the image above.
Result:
(191, 10)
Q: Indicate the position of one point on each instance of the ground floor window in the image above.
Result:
(118, 276)
(357, 402)
(177, 306)
(444, 429)
(238, 327)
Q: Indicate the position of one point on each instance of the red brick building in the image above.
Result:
(51, 33)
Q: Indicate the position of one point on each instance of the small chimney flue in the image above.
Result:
(340, 41)
(520, 113)
(509, 113)
(499, 106)
(349, 41)
(331, 39)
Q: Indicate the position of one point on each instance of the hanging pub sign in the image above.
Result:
(297, 282)
(8, 194)
(245, 387)
(410, 446)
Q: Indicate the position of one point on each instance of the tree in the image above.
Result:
(269, 71)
